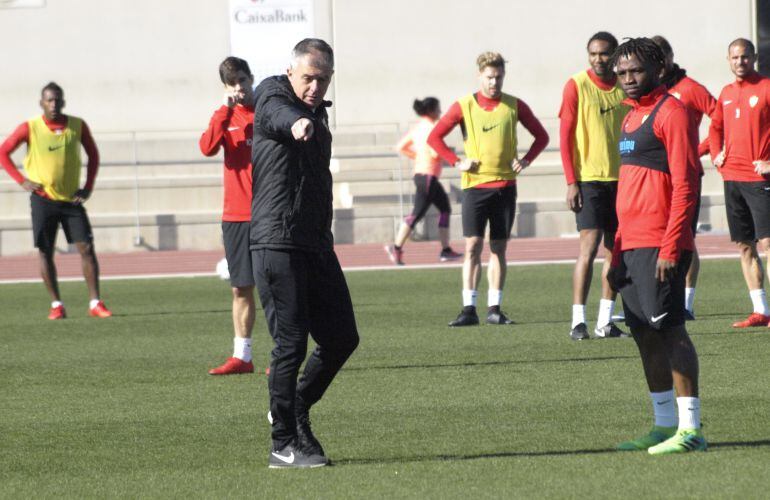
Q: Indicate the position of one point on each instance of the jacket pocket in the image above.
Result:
(290, 216)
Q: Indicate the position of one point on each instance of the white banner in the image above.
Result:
(264, 31)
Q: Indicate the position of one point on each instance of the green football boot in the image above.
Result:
(657, 435)
(681, 442)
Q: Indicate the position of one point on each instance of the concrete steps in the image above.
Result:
(159, 192)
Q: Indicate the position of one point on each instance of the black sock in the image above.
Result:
(493, 309)
(469, 310)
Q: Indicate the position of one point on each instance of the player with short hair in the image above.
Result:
(590, 117)
(52, 176)
(699, 102)
(301, 285)
(656, 201)
(230, 129)
(429, 191)
(488, 119)
(739, 139)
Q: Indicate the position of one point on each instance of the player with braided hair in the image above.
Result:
(699, 102)
(657, 190)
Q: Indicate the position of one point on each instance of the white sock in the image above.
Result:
(606, 307)
(469, 298)
(759, 300)
(93, 303)
(242, 349)
(689, 413)
(56, 303)
(663, 407)
(578, 314)
(494, 297)
(689, 298)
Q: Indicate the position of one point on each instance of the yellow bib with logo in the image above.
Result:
(53, 158)
(490, 139)
(599, 116)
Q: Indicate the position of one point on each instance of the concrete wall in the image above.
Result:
(151, 65)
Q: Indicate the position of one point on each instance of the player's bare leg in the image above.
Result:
(754, 274)
(90, 264)
(244, 311)
(471, 276)
(496, 273)
(90, 268)
(583, 273)
(49, 275)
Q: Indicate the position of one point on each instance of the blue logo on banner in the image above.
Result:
(626, 146)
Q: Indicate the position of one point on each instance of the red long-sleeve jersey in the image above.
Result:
(21, 135)
(454, 117)
(741, 123)
(655, 208)
(568, 119)
(232, 129)
(698, 101)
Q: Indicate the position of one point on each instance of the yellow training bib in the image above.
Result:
(599, 117)
(53, 158)
(490, 138)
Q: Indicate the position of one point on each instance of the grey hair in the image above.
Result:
(313, 46)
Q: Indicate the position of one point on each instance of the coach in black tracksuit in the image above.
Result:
(300, 282)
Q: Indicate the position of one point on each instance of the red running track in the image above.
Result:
(520, 251)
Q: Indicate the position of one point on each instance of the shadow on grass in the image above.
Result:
(524, 454)
(489, 363)
(169, 313)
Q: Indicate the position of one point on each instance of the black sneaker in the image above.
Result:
(689, 315)
(306, 441)
(496, 317)
(580, 332)
(467, 317)
(448, 254)
(610, 330)
(292, 457)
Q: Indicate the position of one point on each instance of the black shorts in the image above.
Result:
(48, 214)
(646, 301)
(236, 238)
(598, 210)
(748, 210)
(429, 191)
(496, 205)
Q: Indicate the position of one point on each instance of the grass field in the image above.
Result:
(124, 408)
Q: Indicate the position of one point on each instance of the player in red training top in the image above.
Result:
(699, 102)
(52, 169)
(739, 140)
(231, 128)
(656, 201)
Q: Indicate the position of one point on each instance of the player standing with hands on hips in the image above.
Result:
(300, 282)
(488, 119)
(52, 169)
(739, 139)
(657, 190)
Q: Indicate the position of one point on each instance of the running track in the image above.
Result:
(352, 257)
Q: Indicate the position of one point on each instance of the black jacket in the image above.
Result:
(291, 206)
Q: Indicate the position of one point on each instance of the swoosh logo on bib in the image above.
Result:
(487, 129)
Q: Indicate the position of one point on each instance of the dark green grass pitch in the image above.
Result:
(124, 408)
